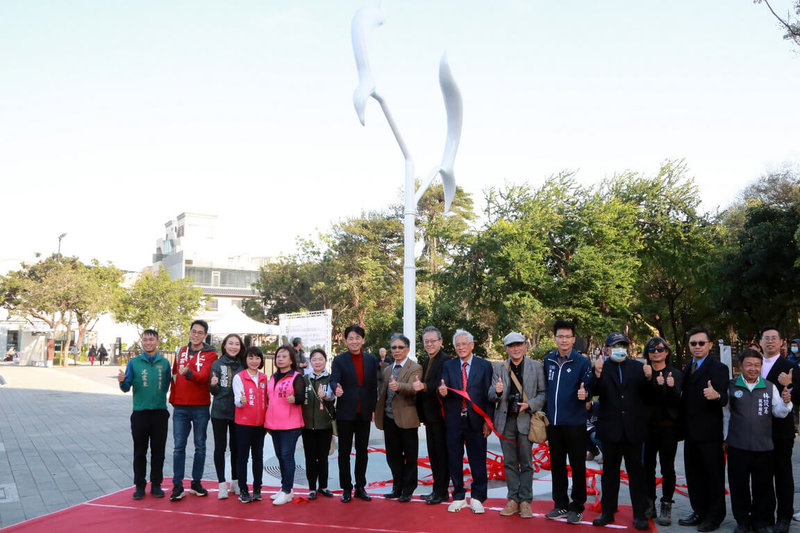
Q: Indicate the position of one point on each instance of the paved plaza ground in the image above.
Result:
(65, 439)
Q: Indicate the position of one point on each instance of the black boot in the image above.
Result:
(665, 516)
(650, 510)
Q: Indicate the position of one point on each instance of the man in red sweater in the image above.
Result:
(190, 399)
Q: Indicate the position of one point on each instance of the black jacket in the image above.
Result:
(783, 428)
(623, 412)
(429, 405)
(702, 419)
(343, 373)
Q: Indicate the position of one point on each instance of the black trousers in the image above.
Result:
(437, 454)
(250, 439)
(149, 427)
(662, 442)
(704, 463)
(745, 467)
(224, 432)
(613, 453)
(568, 441)
(348, 429)
(402, 451)
(784, 479)
(316, 445)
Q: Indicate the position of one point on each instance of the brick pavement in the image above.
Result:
(65, 439)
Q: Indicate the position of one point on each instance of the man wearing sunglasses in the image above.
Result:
(704, 394)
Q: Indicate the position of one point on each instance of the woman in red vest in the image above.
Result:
(249, 397)
(285, 396)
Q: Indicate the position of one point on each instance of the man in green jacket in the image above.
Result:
(149, 374)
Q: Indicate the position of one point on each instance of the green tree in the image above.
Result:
(158, 302)
(790, 23)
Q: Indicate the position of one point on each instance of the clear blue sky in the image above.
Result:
(117, 116)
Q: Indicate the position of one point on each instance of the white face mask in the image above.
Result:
(618, 354)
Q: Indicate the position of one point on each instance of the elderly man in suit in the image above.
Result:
(354, 382)
(783, 374)
(518, 387)
(396, 414)
(429, 406)
(472, 377)
(624, 388)
(705, 393)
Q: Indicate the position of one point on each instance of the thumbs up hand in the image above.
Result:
(499, 387)
(417, 385)
(443, 389)
(710, 393)
(598, 366)
(670, 380)
(321, 391)
(582, 393)
(393, 384)
(339, 391)
(243, 398)
(214, 379)
(121, 375)
(648, 370)
(786, 395)
(660, 379)
(785, 379)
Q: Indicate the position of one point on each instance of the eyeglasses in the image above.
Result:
(770, 339)
(401, 347)
(431, 341)
(698, 343)
(657, 350)
(197, 332)
(564, 337)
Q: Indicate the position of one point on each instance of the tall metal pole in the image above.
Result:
(59, 245)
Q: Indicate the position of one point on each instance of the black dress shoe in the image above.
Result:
(781, 526)
(741, 528)
(693, 519)
(404, 498)
(312, 495)
(603, 520)
(641, 524)
(707, 526)
(361, 494)
(391, 495)
(434, 500)
(325, 492)
(346, 496)
(426, 496)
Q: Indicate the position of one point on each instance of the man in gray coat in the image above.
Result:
(512, 419)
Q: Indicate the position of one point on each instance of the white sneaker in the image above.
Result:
(235, 486)
(223, 491)
(456, 506)
(274, 497)
(283, 498)
(477, 507)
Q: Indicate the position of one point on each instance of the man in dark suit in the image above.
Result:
(624, 389)
(777, 370)
(354, 381)
(705, 393)
(429, 406)
(396, 414)
(465, 426)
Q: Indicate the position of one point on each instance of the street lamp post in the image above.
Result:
(59, 244)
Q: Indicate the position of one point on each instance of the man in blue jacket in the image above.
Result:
(568, 374)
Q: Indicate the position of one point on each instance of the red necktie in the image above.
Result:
(464, 381)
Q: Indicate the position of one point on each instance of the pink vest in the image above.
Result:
(280, 413)
(252, 413)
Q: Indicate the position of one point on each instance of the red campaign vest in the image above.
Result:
(192, 391)
(280, 413)
(252, 413)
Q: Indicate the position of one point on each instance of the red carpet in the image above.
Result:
(117, 512)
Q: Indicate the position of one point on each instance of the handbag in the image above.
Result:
(538, 429)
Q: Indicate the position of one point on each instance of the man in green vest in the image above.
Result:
(149, 374)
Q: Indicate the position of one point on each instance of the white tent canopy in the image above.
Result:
(232, 320)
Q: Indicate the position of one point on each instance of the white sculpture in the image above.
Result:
(364, 19)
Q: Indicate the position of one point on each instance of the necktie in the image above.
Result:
(464, 381)
(694, 366)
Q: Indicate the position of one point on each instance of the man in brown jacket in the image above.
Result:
(396, 414)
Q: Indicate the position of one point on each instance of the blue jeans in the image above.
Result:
(285, 441)
(187, 418)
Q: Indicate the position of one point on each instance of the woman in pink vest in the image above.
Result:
(286, 392)
(249, 397)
